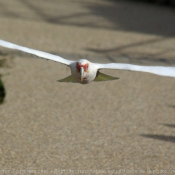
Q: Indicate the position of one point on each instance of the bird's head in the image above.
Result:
(82, 67)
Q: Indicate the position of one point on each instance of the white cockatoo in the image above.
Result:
(84, 71)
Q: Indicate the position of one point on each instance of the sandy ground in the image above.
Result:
(119, 127)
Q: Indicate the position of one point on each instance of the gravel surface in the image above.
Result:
(118, 127)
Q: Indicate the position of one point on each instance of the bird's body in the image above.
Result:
(89, 71)
(84, 71)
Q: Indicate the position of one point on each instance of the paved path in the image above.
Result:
(126, 126)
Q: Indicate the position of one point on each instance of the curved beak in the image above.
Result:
(82, 73)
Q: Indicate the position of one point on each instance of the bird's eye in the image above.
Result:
(87, 66)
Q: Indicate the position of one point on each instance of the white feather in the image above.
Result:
(93, 68)
(159, 70)
(35, 52)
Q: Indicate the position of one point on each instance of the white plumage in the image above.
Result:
(84, 71)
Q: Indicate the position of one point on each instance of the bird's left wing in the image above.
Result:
(159, 70)
(35, 52)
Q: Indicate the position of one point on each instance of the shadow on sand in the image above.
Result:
(2, 91)
(125, 15)
(170, 125)
(161, 137)
(2, 88)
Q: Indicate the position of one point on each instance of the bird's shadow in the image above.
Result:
(171, 106)
(161, 137)
(169, 125)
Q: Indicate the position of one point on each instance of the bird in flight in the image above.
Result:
(84, 71)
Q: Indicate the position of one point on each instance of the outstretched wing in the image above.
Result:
(159, 70)
(35, 52)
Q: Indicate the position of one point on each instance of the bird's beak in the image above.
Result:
(82, 73)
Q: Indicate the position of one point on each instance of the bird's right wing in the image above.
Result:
(159, 70)
(35, 52)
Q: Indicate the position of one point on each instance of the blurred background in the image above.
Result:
(125, 124)
(134, 27)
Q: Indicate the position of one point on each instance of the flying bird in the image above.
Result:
(84, 71)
